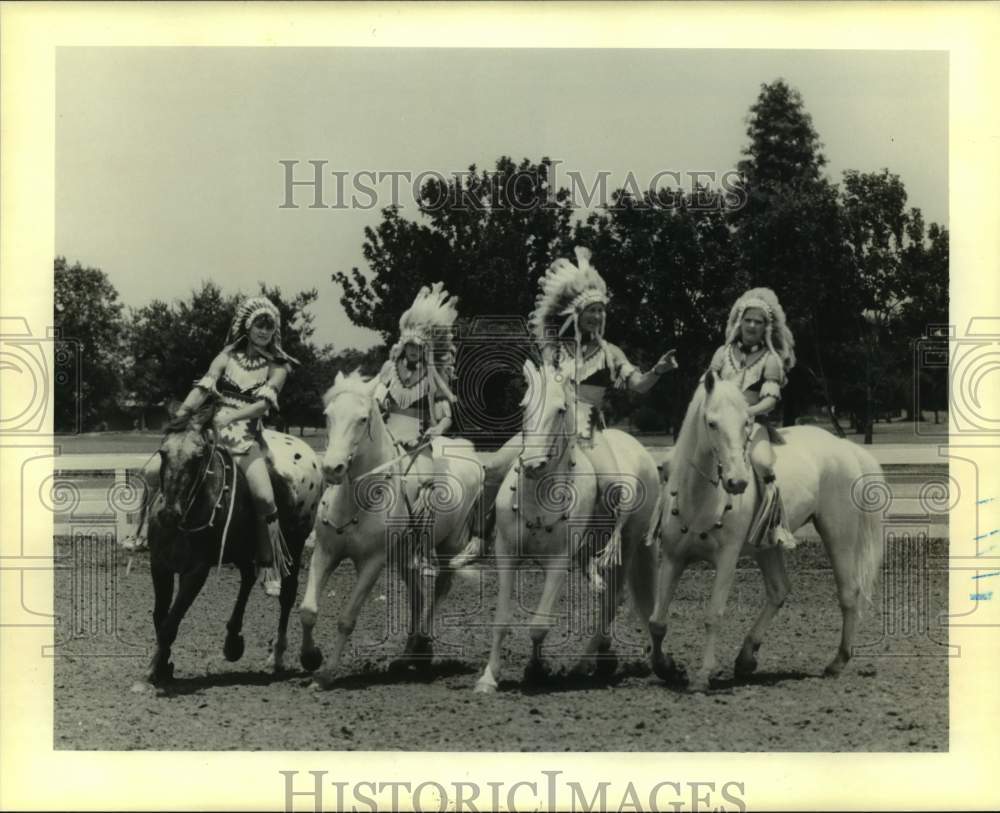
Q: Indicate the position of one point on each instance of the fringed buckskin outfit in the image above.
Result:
(760, 371)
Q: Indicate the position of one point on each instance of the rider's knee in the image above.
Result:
(762, 460)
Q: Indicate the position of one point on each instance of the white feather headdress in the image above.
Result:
(429, 323)
(565, 291)
(777, 335)
(248, 310)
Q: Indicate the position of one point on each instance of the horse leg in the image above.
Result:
(322, 564)
(368, 573)
(233, 647)
(163, 593)
(506, 565)
(190, 585)
(423, 647)
(725, 574)
(289, 590)
(776, 586)
(667, 577)
(840, 547)
(544, 616)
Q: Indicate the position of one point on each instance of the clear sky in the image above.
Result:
(167, 159)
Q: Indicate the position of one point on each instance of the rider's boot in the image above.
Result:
(272, 553)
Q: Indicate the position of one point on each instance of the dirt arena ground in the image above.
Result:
(882, 702)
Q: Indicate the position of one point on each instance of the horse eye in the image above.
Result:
(712, 425)
(364, 419)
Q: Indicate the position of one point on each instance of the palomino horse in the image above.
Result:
(379, 500)
(709, 503)
(205, 517)
(548, 509)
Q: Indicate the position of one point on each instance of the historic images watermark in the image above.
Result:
(315, 184)
(548, 791)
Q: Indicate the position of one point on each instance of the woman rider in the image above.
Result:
(413, 390)
(576, 296)
(758, 353)
(248, 376)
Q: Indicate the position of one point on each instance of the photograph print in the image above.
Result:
(496, 400)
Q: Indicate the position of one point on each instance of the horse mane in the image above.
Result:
(353, 382)
(200, 417)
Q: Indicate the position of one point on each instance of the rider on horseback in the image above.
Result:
(247, 377)
(576, 296)
(413, 390)
(758, 353)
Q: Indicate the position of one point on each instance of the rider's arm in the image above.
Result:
(770, 391)
(267, 396)
(441, 411)
(643, 382)
(204, 385)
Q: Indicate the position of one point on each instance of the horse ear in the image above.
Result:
(709, 381)
(339, 378)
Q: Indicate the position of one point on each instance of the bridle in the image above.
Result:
(556, 449)
(191, 497)
(718, 462)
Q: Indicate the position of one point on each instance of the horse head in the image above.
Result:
(351, 414)
(728, 426)
(548, 424)
(182, 458)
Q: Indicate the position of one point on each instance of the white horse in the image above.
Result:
(380, 504)
(710, 500)
(548, 510)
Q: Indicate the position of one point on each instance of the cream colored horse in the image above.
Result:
(376, 505)
(548, 510)
(709, 502)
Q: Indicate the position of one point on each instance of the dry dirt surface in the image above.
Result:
(892, 697)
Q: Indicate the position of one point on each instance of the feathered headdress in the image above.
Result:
(248, 310)
(429, 324)
(777, 336)
(565, 291)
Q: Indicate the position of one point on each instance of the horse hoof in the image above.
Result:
(667, 670)
(833, 670)
(233, 648)
(607, 665)
(322, 681)
(142, 687)
(699, 685)
(160, 674)
(311, 659)
(485, 687)
(745, 666)
(536, 672)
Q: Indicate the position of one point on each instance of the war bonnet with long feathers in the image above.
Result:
(248, 310)
(429, 323)
(777, 336)
(566, 290)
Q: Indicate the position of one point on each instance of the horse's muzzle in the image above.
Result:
(334, 475)
(169, 518)
(734, 485)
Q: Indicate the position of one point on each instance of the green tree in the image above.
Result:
(790, 238)
(88, 318)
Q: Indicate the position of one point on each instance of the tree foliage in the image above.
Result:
(88, 318)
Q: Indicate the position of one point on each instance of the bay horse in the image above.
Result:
(709, 502)
(205, 517)
(549, 510)
(378, 506)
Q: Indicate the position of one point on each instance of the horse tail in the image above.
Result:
(869, 550)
